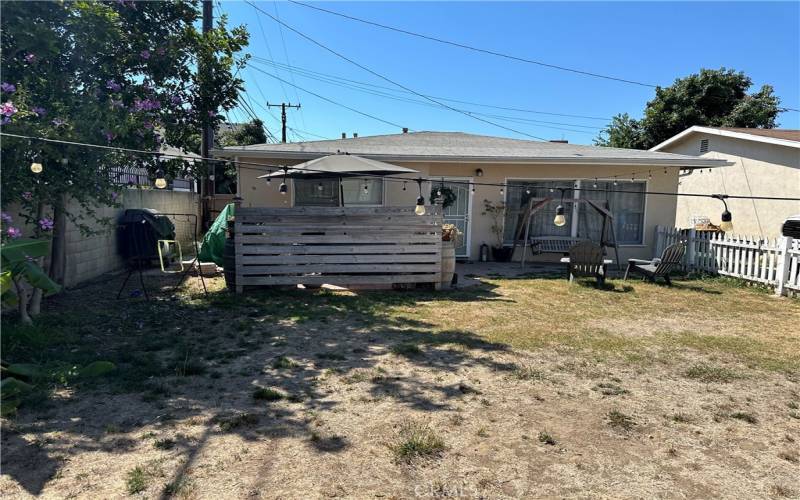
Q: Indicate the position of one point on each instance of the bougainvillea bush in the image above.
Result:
(121, 74)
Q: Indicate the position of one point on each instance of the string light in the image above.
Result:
(527, 190)
(404, 185)
(161, 182)
(283, 189)
(726, 218)
(320, 187)
(269, 179)
(366, 187)
(615, 180)
(502, 191)
(595, 183)
(420, 208)
(36, 165)
(559, 220)
(473, 187)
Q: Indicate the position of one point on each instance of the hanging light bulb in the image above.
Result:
(552, 190)
(502, 192)
(320, 187)
(726, 218)
(283, 189)
(649, 174)
(473, 189)
(36, 165)
(161, 182)
(269, 180)
(594, 185)
(404, 185)
(366, 188)
(420, 208)
(615, 181)
(528, 190)
(559, 220)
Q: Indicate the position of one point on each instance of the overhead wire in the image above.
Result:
(273, 168)
(475, 49)
(383, 77)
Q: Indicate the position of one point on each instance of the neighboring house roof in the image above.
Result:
(779, 137)
(462, 147)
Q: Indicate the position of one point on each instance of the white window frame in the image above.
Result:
(578, 183)
(381, 204)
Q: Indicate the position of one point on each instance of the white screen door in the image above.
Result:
(459, 212)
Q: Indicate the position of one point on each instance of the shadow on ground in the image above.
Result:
(207, 356)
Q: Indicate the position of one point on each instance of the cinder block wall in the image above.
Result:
(92, 256)
(88, 257)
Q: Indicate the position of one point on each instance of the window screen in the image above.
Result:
(627, 209)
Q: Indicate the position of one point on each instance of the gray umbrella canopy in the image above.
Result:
(342, 165)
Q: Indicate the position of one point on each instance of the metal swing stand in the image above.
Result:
(608, 237)
(137, 261)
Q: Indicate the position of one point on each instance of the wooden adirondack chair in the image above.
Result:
(671, 258)
(586, 259)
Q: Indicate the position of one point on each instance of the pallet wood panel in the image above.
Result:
(362, 246)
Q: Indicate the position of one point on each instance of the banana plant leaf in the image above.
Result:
(27, 370)
(96, 369)
(23, 249)
(36, 276)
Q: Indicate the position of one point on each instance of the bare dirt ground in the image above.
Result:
(515, 389)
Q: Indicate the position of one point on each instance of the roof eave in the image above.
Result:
(725, 133)
(539, 160)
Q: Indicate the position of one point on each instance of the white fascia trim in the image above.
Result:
(726, 133)
(652, 162)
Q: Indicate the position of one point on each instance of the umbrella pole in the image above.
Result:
(341, 192)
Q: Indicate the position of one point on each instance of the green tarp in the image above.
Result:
(214, 241)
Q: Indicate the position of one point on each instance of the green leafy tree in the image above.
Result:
(714, 98)
(118, 73)
(244, 135)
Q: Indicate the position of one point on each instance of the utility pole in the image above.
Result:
(283, 107)
(207, 134)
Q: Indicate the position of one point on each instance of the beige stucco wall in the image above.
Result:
(90, 256)
(658, 209)
(758, 169)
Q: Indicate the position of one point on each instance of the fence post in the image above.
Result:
(782, 274)
(690, 251)
(657, 246)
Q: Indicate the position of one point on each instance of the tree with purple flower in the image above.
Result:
(8, 87)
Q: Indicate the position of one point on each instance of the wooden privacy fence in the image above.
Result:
(773, 262)
(337, 246)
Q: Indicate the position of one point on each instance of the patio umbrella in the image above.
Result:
(340, 165)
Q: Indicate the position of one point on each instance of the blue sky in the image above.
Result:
(648, 42)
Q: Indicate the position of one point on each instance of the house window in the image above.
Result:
(703, 146)
(362, 191)
(627, 209)
(328, 192)
(541, 224)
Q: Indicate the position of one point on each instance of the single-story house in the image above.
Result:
(523, 168)
(763, 162)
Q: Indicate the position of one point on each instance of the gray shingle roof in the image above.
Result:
(458, 146)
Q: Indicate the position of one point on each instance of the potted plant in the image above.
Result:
(497, 212)
(450, 235)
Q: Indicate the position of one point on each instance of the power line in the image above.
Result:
(329, 100)
(273, 168)
(306, 71)
(351, 61)
(286, 56)
(475, 49)
(515, 119)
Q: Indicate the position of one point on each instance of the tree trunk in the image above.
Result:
(36, 299)
(22, 303)
(58, 254)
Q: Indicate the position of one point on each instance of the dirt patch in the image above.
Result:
(396, 395)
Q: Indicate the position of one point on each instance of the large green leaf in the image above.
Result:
(7, 294)
(11, 387)
(36, 276)
(96, 369)
(23, 249)
(28, 370)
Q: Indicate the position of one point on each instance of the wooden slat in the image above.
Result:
(342, 280)
(246, 227)
(333, 269)
(335, 259)
(256, 249)
(331, 211)
(334, 239)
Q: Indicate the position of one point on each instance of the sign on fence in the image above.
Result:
(770, 262)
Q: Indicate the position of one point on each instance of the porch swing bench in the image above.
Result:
(553, 244)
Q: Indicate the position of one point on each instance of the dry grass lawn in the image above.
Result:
(514, 389)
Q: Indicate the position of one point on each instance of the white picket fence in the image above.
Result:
(774, 262)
